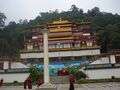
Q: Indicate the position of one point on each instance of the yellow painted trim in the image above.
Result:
(69, 38)
(60, 30)
(60, 21)
(55, 26)
(61, 49)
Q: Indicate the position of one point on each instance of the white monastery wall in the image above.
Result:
(103, 73)
(103, 60)
(11, 77)
(62, 54)
(15, 65)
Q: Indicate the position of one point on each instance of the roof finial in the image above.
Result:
(82, 20)
(60, 18)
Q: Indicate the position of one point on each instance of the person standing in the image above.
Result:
(29, 83)
(72, 81)
(25, 84)
(1, 82)
(58, 72)
(39, 83)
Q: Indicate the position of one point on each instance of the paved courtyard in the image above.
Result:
(92, 86)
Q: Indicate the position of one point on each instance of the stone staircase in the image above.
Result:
(59, 79)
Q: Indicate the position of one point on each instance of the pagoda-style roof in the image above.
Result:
(60, 22)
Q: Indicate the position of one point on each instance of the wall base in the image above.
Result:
(47, 86)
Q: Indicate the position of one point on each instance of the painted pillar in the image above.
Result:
(46, 59)
(6, 65)
(112, 59)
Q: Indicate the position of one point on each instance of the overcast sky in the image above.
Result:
(29, 9)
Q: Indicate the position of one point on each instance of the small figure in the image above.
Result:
(58, 72)
(72, 81)
(39, 83)
(1, 82)
(25, 84)
(64, 72)
(29, 83)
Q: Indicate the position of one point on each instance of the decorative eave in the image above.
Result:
(6, 58)
(113, 52)
(59, 22)
(82, 38)
(32, 41)
(109, 53)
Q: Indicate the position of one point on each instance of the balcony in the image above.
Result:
(62, 49)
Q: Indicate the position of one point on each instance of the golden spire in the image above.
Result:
(60, 18)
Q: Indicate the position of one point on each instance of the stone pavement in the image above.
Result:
(92, 86)
(14, 88)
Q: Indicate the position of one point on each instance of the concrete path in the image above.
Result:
(92, 86)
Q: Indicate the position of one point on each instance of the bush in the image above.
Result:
(15, 82)
(80, 75)
(36, 74)
(113, 77)
(98, 80)
(74, 70)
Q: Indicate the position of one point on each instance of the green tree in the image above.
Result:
(74, 8)
(94, 12)
(2, 19)
(36, 74)
(80, 75)
(74, 70)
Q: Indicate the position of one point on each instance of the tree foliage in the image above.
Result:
(2, 19)
(36, 74)
(75, 70)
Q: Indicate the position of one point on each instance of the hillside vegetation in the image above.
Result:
(106, 25)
